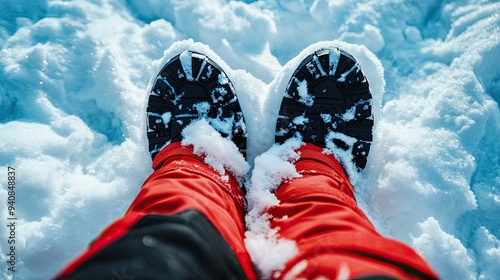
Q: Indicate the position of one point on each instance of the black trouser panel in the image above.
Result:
(181, 246)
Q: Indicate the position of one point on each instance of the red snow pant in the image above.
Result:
(188, 223)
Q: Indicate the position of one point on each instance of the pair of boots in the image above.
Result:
(187, 221)
(327, 98)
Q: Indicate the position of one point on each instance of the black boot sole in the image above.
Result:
(190, 87)
(328, 92)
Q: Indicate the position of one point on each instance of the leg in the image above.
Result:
(327, 104)
(185, 223)
(187, 220)
(333, 236)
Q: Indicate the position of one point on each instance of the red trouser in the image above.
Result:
(333, 235)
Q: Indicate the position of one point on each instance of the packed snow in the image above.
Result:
(218, 152)
(73, 82)
(269, 252)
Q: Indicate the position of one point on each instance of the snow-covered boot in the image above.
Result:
(190, 87)
(328, 100)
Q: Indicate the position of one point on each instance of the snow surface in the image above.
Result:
(73, 80)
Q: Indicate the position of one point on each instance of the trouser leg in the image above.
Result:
(185, 223)
(333, 236)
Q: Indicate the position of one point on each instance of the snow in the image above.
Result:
(186, 59)
(305, 97)
(73, 83)
(343, 156)
(272, 168)
(220, 153)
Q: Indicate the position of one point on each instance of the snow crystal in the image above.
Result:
(186, 61)
(165, 81)
(202, 108)
(303, 92)
(327, 118)
(300, 120)
(165, 117)
(224, 125)
(350, 114)
(345, 74)
(202, 69)
(344, 156)
(223, 79)
(333, 60)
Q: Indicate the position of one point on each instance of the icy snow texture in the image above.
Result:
(268, 251)
(220, 153)
(73, 80)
